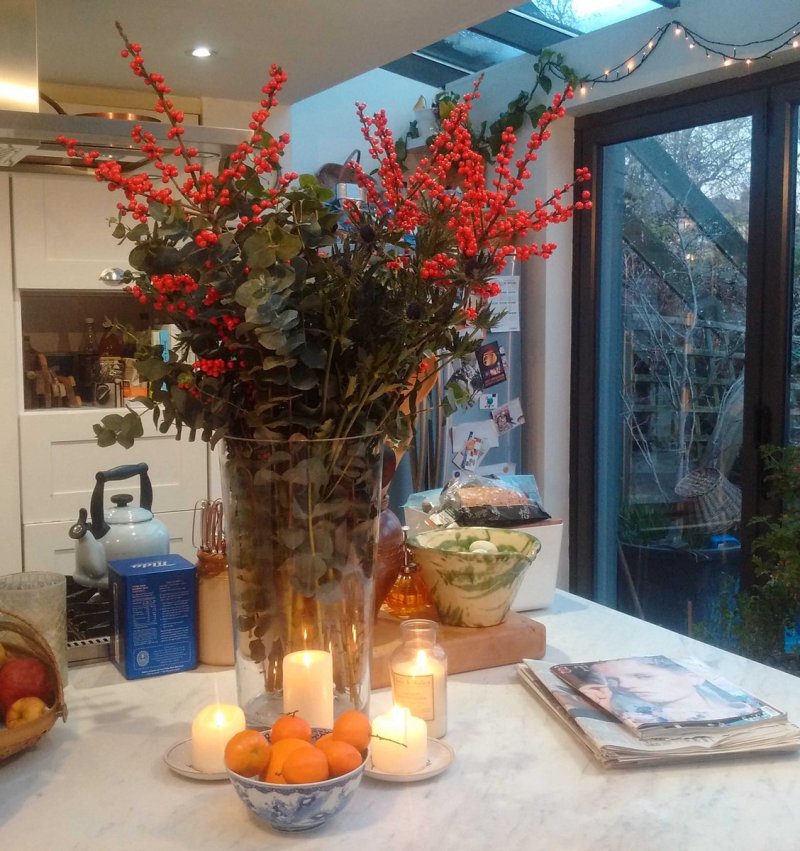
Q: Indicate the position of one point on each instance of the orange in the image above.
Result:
(354, 728)
(290, 727)
(323, 740)
(280, 751)
(342, 758)
(305, 765)
(247, 753)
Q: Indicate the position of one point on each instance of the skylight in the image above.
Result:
(589, 15)
(527, 28)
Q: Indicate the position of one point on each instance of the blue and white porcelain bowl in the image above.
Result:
(299, 806)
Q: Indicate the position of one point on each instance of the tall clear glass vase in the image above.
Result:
(301, 528)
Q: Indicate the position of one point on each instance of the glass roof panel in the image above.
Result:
(587, 15)
(470, 51)
(524, 29)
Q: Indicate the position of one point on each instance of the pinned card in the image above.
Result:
(485, 429)
(490, 364)
(507, 300)
(508, 416)
(470, 455)
(488, 401)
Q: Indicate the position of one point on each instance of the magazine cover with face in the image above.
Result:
(654, 694)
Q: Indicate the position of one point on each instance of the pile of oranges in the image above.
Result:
(286, 755)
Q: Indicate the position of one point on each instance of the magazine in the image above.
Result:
(615, 745)
(656, 696)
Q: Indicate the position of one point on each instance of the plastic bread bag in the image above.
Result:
(473, 500)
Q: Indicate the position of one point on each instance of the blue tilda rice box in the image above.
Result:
(154, 604)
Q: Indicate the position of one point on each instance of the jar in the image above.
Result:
(214, 618)
(418, 669)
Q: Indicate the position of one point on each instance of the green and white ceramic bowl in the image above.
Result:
(473, 587)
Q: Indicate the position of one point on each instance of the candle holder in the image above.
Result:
(203, 756)
(418, 670)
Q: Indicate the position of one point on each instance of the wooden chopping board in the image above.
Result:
(467, 648)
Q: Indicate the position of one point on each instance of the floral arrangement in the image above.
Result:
(310, 331)
(298, 315)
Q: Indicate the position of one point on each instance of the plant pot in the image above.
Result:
(301, 529)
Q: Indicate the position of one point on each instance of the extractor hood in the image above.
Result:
(28, 140)
(28, 137)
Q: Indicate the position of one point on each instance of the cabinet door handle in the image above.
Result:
(113, 275)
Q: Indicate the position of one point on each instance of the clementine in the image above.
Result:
(280, 751)
(247, 753)
(306, 765)
(354, 728)
(290, 727)
(342, 758)
(323, 740)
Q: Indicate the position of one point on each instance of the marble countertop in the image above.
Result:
(519, 779)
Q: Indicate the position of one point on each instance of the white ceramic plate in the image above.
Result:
(179, 759)
(440, 755)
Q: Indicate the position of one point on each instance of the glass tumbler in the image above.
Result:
(40, 598)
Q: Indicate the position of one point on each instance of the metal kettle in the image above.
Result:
(124, 531)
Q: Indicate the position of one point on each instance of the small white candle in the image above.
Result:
(400, 742)
(212, 728)
(421, 684)
(308, 686)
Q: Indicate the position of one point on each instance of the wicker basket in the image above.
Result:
(22, 639)
(716, 502)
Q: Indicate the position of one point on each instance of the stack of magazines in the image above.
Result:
(647, 709)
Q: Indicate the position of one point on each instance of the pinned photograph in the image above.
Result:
(490, 364)
(471, 453)
(508, 416)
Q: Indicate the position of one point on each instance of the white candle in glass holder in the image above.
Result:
(419, 681)
(308, 686)
(399, 742)
(212, 727)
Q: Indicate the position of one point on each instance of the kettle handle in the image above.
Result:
(126, 471)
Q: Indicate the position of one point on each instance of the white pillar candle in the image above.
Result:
(308, 686)
(212, 728)
(399, 742)
(420, 683)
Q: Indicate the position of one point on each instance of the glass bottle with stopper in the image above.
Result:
(409, 596)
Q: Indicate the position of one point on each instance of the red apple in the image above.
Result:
(24, 710)
(24, 677)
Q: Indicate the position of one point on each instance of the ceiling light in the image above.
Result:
(201, 52)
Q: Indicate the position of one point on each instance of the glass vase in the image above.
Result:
(301, 529)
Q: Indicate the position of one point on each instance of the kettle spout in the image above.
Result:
(91, 568)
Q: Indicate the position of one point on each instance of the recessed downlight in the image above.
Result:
(201, 52)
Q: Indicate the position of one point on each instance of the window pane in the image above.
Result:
(673, 287)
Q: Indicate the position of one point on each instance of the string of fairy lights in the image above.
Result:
(728, 52)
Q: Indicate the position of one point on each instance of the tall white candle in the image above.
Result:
(420, 683)
(308, 686)
(399, 742)
(212, 727)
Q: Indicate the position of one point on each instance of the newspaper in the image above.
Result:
(614, 745)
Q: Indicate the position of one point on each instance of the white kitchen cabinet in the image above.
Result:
(62, 239)
(57, 226)
(59, 460)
